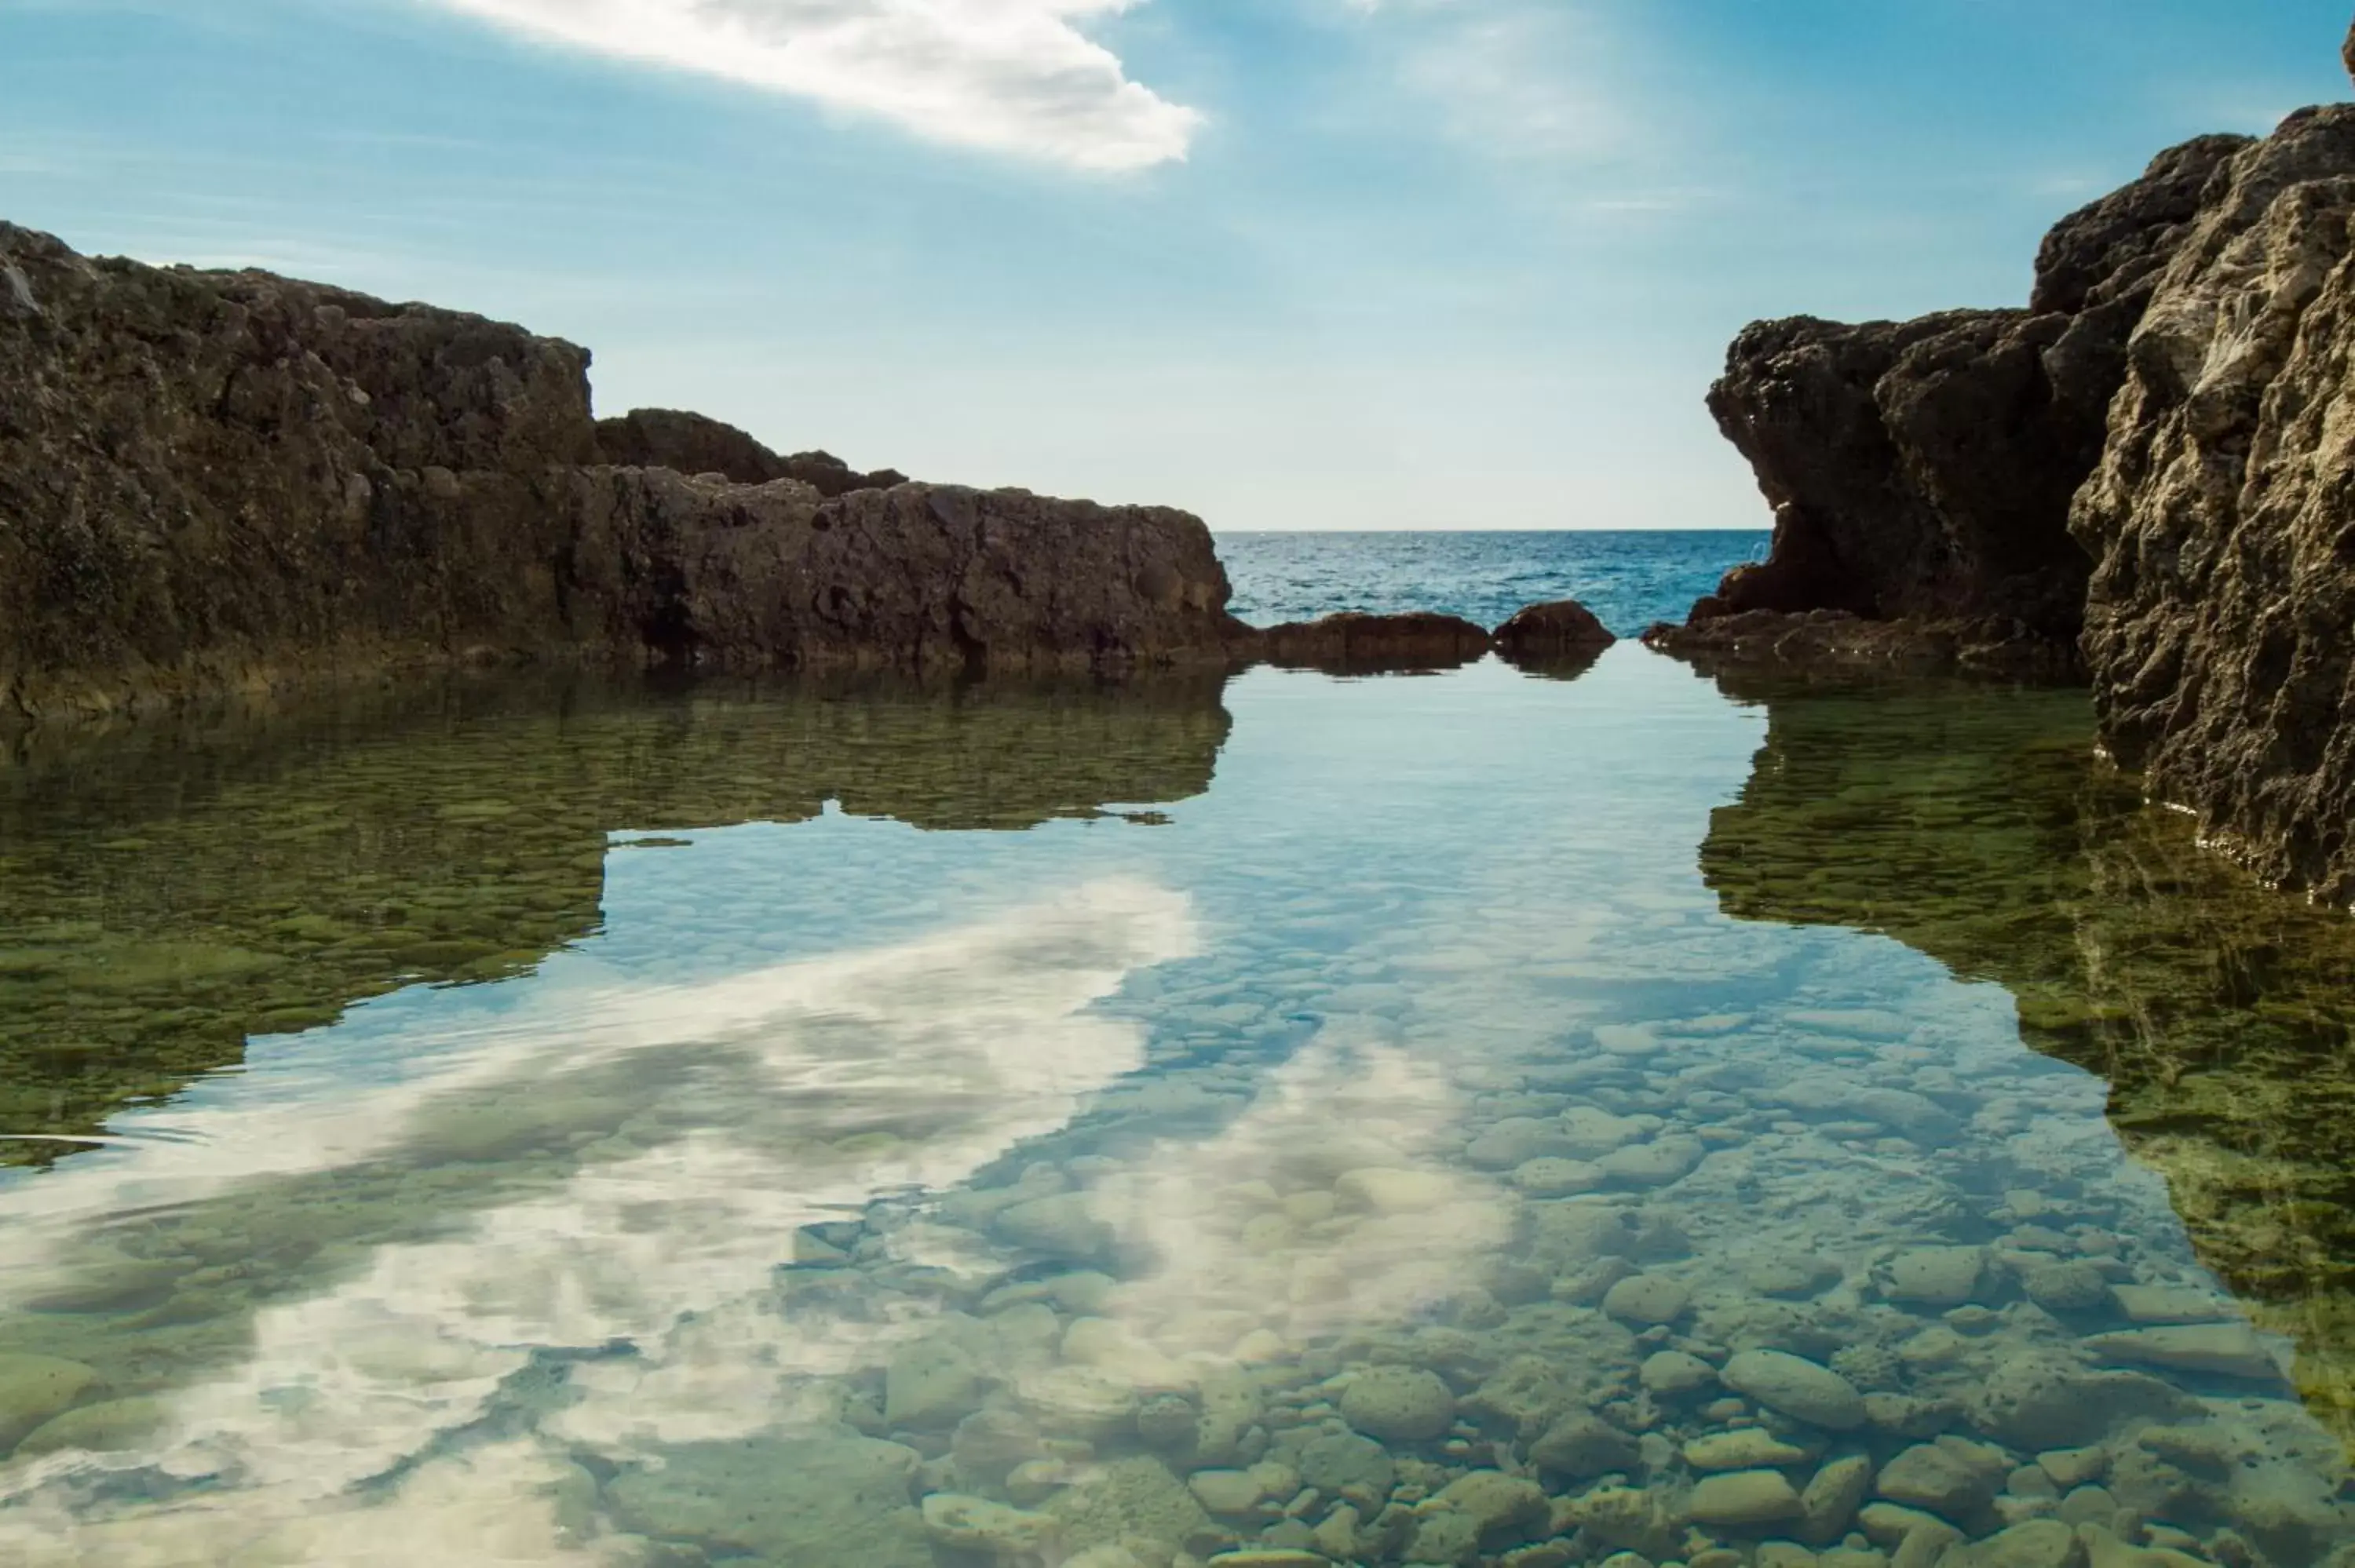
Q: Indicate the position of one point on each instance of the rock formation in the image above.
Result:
(1561, 640)
(215, 479)
(1352, 643)
(1920, 472)
(2176, 393)
(698, 444)
(2220, 626)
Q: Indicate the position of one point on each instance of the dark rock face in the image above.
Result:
(709, 572)
(1839, 638)
(1561, 626)
(1353, 643)
(1559, 640)
(697, 444)
(213, 480)
(1920, 472)
(2221, 626)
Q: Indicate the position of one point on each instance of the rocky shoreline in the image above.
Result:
(2140, 481)
(232, 481)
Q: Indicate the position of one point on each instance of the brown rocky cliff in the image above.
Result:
(1920, 472)
(214, 478)
(2220, 625)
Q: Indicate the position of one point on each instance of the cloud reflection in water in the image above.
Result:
(652, 1151)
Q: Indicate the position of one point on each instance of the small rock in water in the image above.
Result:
(2067, 1287)
(2038, 1543)
(1828, 1505)
(1653, 1164)
(1167, 1422)
(2074, 1467)
(1226, 1491)
(1797, 1387)
(1744, 1448)
(1646, 1299)
(2104, 1550)
(1343, 1461)
(2230, 1349)
(1673, 1374)
(977, 1524)
(1063, 1226)
(1398, 1405)
(1951, 1477)
(930, 1383)
(1935, 1277)
(1494, 1502)
(2161, 1304)
(1592, 1132)
(1035, 1480)
(1515, 1142)
(1582, 1445)
(1743, 1497)
(1554, 1177)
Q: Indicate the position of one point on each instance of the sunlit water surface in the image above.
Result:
(1325, 1119)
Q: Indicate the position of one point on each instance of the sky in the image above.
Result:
(1286, 264)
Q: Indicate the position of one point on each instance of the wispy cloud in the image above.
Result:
(1018, 76)
(1519, 78)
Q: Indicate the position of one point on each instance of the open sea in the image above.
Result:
(1629, 578)
(1619, 1118)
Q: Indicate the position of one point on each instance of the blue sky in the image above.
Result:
(1288, 264)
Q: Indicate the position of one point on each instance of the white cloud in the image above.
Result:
(1531, 82)
(1016, 77)
(1521, 81)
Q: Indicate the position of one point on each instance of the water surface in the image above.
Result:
(1457, 1118)
(1630, 577)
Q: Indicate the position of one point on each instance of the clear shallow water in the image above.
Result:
(1630, 579)
(1385, 1119)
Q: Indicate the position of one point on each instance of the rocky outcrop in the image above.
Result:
(1559, 640)
(698, 444)
(1920, 472)
(2222, 517)
(1353, 643)
(212, 479)
(1554, 629)
(2177, 392)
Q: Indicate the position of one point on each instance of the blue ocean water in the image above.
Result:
(1629, 577)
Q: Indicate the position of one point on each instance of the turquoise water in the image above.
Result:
(1628, 578)
(1299, 1121)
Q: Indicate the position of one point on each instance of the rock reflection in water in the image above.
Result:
(168, 890)
(1400, 1157)
(1971, 823)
